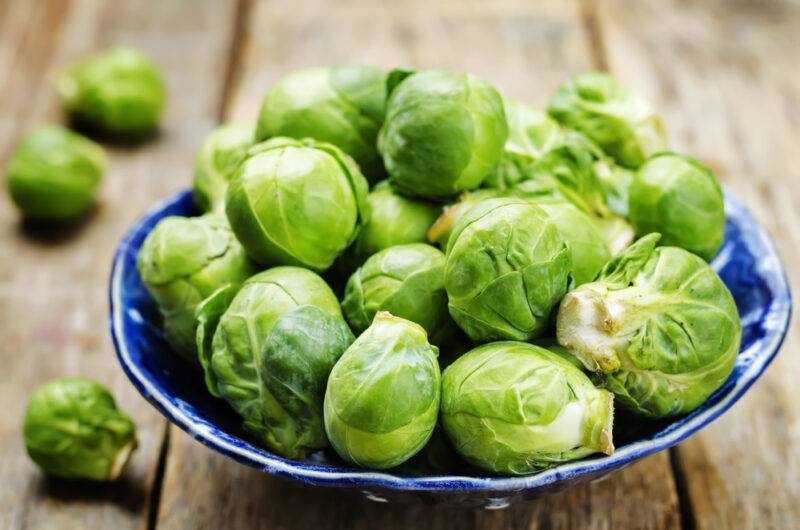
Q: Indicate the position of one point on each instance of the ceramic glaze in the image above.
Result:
(747, 263)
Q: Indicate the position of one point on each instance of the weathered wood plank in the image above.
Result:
(724, 75)
(53, 306)
(526, 49)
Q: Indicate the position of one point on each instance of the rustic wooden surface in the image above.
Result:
(722, 73)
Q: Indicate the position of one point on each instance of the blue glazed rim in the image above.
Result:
(757, 357)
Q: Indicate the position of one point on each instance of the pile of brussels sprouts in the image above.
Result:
(495, 301)
(407, 265)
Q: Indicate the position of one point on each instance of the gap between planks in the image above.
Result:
(232, 73)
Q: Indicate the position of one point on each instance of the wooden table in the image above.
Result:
(724, 74)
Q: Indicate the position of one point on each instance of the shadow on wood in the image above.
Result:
(51, 233)
(126, 492)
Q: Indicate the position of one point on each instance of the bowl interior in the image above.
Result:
(747, 264)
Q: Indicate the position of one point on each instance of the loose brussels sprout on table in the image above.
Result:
(119, 92)
(514, 408)
(444, 132)
(680, 198)
(507, 268)
(183, 261)
(271, 353)
(216, 162)
(394, 220)
(343, 106)
(382, 399)
(296, 202)
(658, 326)
(405, 280)
(623, 125)
(54, 173)
(74, 430)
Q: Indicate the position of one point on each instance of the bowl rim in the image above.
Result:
(779, 315)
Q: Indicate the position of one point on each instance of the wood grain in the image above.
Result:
(53, 308)
(724, 75)
(526, 49)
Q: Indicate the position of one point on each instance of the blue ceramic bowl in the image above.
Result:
(747, 263)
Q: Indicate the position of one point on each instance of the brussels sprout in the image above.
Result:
(405, 280)
(73, 429)
(382, 399)
(569, 170)
(589, 250)
(616, 182)
(531, 133)
(507, 267)
(296, 202)
(54, 173)
(658, 326)
(271, 354)
(679, 197)
(514, 408)
(182, 261)
(343, 106)
(118, 91)
(444, 133)
(440, 231)
(395, 220)
(623, 125)
(216, 162)
(581, 233)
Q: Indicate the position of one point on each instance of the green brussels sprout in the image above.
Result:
(531, 133)
(444, 133)
(182, 261)
(405, 280)
(616, 182)
(442, 228)
(216, 162)
(74, 430)
(343, 106)
(507, 267)
(296, 202)
(580, 232)
(272, 350)
(589, 250)
(585, 236)
(514, 408)
(382, 399)
(395, 220)
(118, 91)
(623, 125)
(571, 168)
(54, 173)
(680, 198)
(658, 326)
